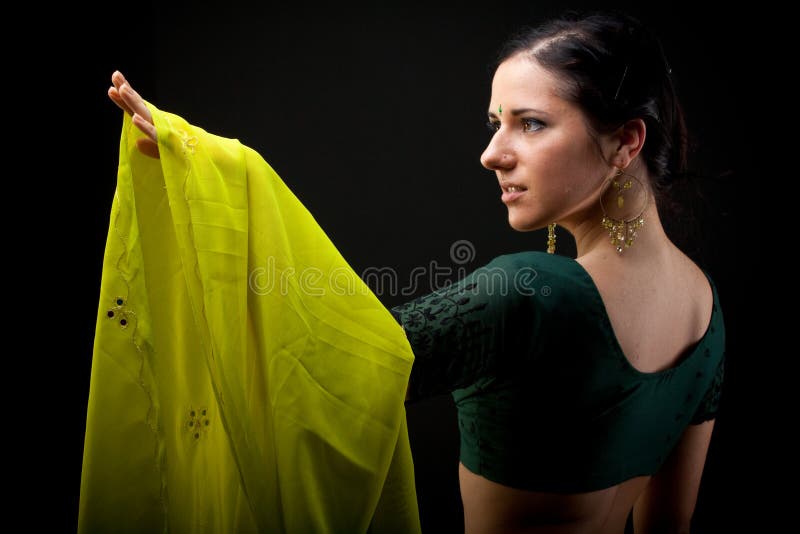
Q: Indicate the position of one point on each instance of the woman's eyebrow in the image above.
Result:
(519, 111)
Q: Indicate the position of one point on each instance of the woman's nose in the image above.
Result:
(497, 157)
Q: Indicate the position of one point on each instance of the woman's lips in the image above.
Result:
(509, 196)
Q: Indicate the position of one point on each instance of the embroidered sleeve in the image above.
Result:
(709, 406)
(464, 331)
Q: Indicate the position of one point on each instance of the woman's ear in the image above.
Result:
(627, 142)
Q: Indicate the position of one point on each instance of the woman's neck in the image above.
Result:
(593, 240)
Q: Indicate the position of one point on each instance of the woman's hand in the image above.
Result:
(131, 103)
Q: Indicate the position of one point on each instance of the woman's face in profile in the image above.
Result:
(542, 145)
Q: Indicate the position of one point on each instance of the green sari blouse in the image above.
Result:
(546, 399)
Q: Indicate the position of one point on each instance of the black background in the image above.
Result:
(375, 118)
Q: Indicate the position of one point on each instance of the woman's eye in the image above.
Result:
(531, 125)
(493, 126)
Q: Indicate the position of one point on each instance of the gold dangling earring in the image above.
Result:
(623, 231)
(551, 238)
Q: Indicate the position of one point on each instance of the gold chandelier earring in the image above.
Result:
(623, 230)
(551, 238)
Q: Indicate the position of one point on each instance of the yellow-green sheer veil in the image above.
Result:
(244, 378)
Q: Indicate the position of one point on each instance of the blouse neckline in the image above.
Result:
(603, 313)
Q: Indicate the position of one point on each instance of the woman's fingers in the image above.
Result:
(123, 95)
(148, 147)
(113, 94)
(117, 79)
(145, 126)
(134, 101)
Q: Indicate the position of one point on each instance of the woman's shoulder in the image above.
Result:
(554, 267)
(551, 277)
(534, 259)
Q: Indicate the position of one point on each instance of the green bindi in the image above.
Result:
(500, 109)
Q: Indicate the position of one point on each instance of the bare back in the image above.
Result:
(656, 314)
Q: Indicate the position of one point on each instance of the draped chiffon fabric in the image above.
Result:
(244, 378)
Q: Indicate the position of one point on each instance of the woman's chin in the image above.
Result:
(522, 225)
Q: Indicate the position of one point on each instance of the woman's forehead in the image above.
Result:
(521, 82)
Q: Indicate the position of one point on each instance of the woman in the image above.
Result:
(586, 389)
(600, 405)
